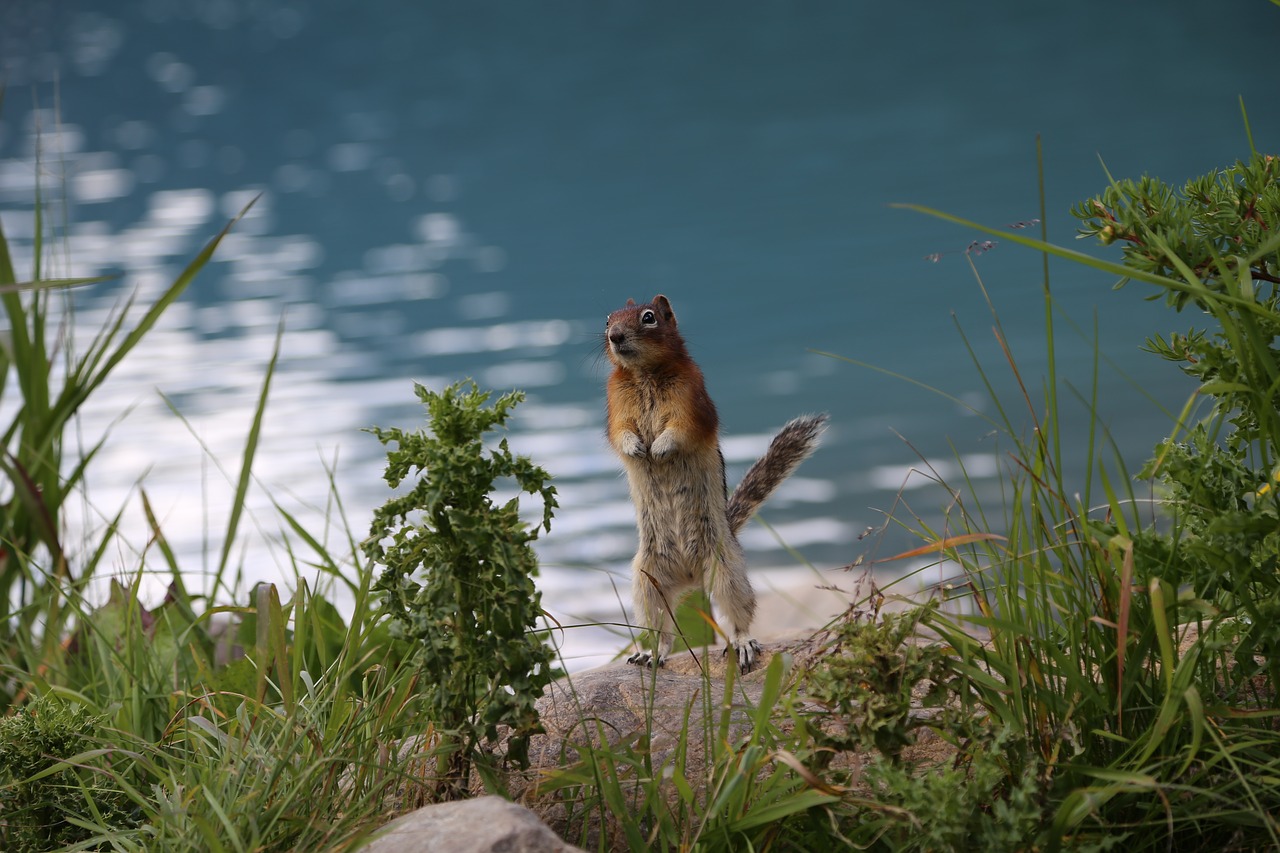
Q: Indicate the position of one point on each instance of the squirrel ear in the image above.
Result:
(664, 305)
(630, 302)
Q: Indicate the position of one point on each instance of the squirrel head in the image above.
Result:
(643, 335)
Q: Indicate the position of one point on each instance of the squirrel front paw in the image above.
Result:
(629, 444)
(664, 445)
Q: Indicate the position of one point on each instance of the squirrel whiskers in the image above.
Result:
(664, 427)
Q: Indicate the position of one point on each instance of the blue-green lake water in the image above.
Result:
(451, 190)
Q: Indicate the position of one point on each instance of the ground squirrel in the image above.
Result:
(664, 426)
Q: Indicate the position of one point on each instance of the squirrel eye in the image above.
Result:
(649, 318)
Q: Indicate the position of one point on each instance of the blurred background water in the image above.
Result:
(452, 190)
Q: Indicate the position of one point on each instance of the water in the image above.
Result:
(451, 190)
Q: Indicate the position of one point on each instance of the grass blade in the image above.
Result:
(246, 462)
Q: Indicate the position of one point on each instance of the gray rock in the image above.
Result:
(658, 712)
(662, 713)
(665, 715)
(481, 825)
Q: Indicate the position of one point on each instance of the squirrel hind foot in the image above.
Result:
(645, 659)
(747, 652)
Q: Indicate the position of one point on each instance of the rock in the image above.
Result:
(637, 708)
(653, 721)
(625, 705)
(619, 700)
(481, 825)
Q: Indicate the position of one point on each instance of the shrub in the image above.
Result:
(42, 791)
(874, 681)
(1104, 628)
(459, 574)
(1213, 246)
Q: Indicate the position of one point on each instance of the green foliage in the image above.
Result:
(1214, 247)
(878, 688)
(45, 378)
(694, 630)
(1134, 652)
(267, 723)
(293, 746)
(1227, 212)
(258, 777)
(974, 806)
(47, 791)
(1225, 547)
(879, 685)
(459, 572)
(52, 381)
(746, 790)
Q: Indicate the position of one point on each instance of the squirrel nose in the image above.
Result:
(616, 335)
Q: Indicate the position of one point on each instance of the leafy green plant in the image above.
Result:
(967, 806)
(45, 794)
(1097, 628)
(1213, 246)
(459, 574)
(295, 745)
(879, 685)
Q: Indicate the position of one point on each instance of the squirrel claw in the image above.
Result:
(632, 446)
(746, 651)
(645, 659)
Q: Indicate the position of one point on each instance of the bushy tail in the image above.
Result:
(791, 446)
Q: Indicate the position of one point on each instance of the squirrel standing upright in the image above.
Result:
(664, 426)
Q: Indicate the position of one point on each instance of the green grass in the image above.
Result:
(160, 739)
(1117, 666)
(292, 746)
